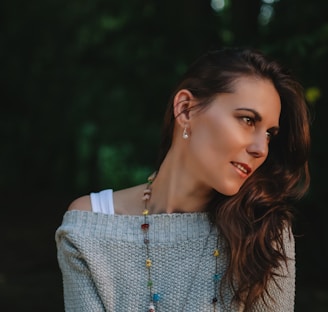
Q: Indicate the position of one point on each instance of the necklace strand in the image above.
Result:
(154, 298)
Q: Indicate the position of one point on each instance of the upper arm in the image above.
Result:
(82, 203)
(80, 291)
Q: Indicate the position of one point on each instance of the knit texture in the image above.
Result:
(102, 258)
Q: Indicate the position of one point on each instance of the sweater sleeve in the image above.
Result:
(282, 289)
(80, 292)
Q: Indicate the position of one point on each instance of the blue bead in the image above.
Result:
(156, 297)
(217, 277)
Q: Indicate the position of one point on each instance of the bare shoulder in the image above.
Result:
(82, 203)
(128, 201)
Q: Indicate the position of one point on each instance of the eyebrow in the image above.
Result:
(258, 117)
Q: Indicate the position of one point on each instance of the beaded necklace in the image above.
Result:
(154, 298)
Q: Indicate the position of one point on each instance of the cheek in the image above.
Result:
(220, 133)
(210, 128)
(205, 138)
(213, 139)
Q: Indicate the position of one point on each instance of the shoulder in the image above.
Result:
(129, 201)
(126, 201)
(82, 203)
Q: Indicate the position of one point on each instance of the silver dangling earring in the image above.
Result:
(185, 134)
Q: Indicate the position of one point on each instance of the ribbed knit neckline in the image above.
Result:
(165, 228)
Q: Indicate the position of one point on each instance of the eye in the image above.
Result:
(269, 135)
(249, 121)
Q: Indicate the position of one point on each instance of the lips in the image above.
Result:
(244, 168)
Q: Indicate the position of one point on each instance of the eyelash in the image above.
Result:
(250, 121)
(270, 135)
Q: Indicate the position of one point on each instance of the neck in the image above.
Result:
(176, 190)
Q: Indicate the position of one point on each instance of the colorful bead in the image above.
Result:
(156, 297)
(216, 277)
(152, 177)
(145, 226)
(216, 253)
(151, 307)
(148, 263)
(145, 212)
(146, 197)
(150, 283)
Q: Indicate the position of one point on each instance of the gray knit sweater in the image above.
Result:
(102, 258)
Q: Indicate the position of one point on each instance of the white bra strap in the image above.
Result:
(102, 202)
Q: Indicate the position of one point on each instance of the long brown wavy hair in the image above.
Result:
(252, 221)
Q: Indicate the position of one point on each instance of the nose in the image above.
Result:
(259, 146)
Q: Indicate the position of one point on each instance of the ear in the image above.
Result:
(182, 103)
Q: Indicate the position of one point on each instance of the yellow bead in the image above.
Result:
(152, 177)
(148, 263)
(145, 212)
(216, 253)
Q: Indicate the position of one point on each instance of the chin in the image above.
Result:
(228, 191)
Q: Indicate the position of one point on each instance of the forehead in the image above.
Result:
(251, 93)
(256, 92)
(249, 83)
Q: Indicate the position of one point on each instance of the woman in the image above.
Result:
(212, 230)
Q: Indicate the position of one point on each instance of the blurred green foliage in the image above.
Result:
(85, 85)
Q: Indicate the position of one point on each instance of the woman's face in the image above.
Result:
(230, 139)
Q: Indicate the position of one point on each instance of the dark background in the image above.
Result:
(84, 86)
